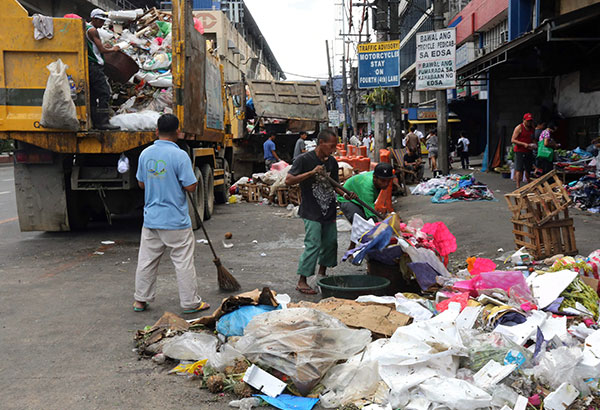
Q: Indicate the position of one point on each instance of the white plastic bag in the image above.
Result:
(348, 382)
(301, 342)
(136, 121)
(58, 109)
(191, 346)
(123, 164)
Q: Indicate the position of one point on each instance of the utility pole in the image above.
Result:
(354, 106)
(441, 99)
(381, 25)
(345, 90)
(397, 113)
(330, 82)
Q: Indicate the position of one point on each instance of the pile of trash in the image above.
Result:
(521, 335)
(452, 188)
(585, 193)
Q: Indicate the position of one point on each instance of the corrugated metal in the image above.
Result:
(288, 100)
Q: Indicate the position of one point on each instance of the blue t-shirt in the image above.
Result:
(268, 147)
(165, 169)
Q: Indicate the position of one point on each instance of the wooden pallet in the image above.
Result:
(539, 201)
(294, 195)
(543, 241)
(282, 196)
(250, 192)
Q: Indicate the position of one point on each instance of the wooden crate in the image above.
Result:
(250, 192)
(282, 196)
(294, 195)
(539, 201)
(265, 190)
(543, 241)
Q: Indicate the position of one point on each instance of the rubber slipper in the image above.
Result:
(203, 306)
(306, 291)
(140, 309)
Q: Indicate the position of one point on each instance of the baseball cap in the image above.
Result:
(383, 170)
(98, 14)
(527, 117)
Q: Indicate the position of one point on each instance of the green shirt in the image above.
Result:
(363, 186)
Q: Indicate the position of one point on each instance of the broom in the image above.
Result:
(225, 279)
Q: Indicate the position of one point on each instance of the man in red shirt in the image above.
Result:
(523, 145)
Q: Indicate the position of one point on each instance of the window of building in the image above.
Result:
(496, 36)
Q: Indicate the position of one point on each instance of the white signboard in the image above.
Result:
(334, 118)
(436, 54)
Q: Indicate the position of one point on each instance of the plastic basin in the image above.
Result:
(353, 286)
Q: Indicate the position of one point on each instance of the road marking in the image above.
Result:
(4, 192)
(8, 220)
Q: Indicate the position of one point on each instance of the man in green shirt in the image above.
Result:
(366, 186)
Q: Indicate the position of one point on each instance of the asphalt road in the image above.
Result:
(66, 320)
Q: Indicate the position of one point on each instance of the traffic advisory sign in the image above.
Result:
(436, 55)
(379, 64)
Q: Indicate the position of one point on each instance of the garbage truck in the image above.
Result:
(65, 178)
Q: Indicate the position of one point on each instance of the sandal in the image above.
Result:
(140, 309)
(200, 308)
(306, 291)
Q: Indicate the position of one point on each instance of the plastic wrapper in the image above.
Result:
(483, 347)
(226, 356)
(162, 101)
(137, 121)
(455, 393)
(562, 365)
(191, 346)
(58, 108)
(302, 343)
(123, 164)
(351, 381)
(157, 62)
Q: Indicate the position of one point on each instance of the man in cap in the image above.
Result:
(99, 88)
(523, 145)
(366, 187)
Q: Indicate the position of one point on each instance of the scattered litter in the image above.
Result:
(202, 241)
(254, 241)
(263, 381)
(98, 253)
(227, 245)
(107, 242)
(228, 235)
(263, 254)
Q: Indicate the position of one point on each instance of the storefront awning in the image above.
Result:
(432, 121)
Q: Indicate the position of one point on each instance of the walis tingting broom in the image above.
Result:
(225, 279)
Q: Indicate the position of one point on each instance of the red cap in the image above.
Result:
(527, 117)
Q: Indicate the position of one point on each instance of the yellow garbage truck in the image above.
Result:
(63, 178)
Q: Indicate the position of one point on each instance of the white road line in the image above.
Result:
(4, 192)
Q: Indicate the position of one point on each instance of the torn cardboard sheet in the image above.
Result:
(382, 320)
(548, 286)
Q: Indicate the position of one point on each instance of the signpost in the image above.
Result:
(334, 118)
(436, 53)
(379, 64)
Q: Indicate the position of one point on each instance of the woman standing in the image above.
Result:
(544, 157)
(432, 146)
(523, 145)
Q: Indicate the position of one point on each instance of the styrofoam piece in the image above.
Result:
(523, 331)
(467, 318)
(263, 381)
(561, 398)
(521, 403)
(548, 286)
(492, 373)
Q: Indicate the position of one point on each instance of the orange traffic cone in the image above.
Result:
(383, 204)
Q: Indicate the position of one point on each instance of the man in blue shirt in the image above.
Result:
(271, 156)
(164, 173)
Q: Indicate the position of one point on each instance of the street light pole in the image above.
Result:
(441, 100)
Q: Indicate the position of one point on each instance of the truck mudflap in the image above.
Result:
(41, 186)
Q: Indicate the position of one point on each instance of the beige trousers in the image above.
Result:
(153, 244)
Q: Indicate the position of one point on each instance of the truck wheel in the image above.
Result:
(209, 191)
(198, 196)
(222, 191)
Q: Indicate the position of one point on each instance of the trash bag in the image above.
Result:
(234, 323)
(136, 121)
(301, 342)
(123, 164)
(191, 346)
(58, 108)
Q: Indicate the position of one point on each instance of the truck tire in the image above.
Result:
(209, 191)
(222, 191)
(198, 196)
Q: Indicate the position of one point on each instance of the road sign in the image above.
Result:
(436, 54)
(379, 64)
(334, 118)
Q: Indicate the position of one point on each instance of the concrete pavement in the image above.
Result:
(66, 323)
